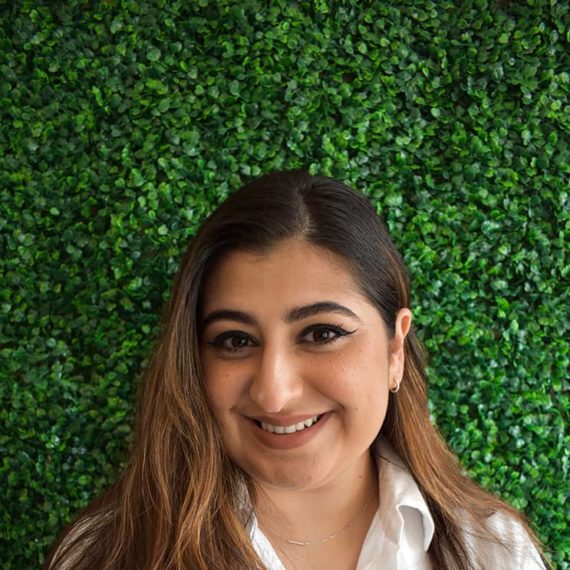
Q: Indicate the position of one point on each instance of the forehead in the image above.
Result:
(293, 270)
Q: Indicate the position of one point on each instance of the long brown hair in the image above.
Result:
(181, 503)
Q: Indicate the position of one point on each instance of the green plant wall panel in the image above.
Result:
(124, 123)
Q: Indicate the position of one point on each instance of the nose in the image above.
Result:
(277, 380)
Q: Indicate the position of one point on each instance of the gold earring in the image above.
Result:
(394, 390)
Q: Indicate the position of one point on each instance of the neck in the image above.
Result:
(313, 513)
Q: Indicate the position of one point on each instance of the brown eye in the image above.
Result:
(323, 334)
(236, 342)
(232, 341)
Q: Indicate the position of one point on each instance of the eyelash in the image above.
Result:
(339, 331)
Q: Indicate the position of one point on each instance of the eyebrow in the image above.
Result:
(296, 314)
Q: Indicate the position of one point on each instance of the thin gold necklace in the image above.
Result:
(331, 536)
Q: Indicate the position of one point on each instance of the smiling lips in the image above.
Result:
(282, 433)
(280, 429)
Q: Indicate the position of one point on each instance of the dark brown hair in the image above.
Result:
(178, 504)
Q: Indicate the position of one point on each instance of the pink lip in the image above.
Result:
(284, 420)
(288, 440)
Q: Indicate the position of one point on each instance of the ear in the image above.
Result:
(401, 329)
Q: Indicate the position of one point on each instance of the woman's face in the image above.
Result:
(288, 338)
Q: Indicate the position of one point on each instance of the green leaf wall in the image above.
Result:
(123, 124)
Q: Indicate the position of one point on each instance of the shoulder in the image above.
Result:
(512, 547)
(502, 544)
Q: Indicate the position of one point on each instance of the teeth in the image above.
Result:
(289, 429)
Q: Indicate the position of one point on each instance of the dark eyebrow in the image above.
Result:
(228, 315)
(296, 314)
(300, 313)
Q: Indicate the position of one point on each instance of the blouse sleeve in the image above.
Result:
(517, 551)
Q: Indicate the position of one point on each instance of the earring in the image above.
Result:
(394, 390)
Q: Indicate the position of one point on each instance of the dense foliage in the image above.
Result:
(123, 123)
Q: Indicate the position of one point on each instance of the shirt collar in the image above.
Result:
(402, 529)
(399, 493)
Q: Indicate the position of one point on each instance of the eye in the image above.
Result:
(323, 334)
(232, 341)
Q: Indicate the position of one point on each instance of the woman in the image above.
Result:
(283, 422)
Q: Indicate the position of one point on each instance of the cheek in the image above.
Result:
(359, 380)
(223, 387)
(216, 395)
(363, 370)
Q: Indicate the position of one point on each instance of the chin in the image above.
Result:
(287, 477)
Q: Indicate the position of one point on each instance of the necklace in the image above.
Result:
(331, 536)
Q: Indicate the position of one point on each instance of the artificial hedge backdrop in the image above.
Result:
(123, 124)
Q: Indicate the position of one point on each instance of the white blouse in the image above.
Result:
(402, 529)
